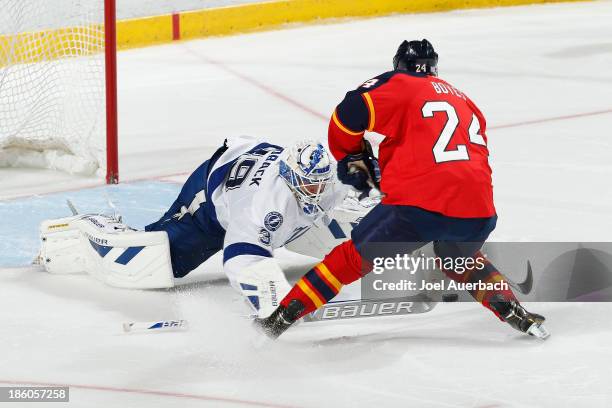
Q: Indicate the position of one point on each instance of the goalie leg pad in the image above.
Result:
(107, 249)
(61, 248)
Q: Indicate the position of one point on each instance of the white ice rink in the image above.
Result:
(542, 77)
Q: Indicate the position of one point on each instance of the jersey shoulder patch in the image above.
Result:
(273, 220)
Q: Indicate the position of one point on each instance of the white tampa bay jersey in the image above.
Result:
(254, 205)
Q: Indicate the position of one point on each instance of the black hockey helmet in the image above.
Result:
(416, 56)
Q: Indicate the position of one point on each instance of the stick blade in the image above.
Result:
(527, 284)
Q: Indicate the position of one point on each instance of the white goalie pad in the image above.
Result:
(107, 249)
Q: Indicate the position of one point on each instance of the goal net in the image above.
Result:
(52, 85)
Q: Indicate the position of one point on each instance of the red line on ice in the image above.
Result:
(266, 88)
(149, 392)
(100, 183)
(553, 119)
(299, 105)
(306, 109)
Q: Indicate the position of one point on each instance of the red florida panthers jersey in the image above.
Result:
(434, 155)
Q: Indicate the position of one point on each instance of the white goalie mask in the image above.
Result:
(307, 171)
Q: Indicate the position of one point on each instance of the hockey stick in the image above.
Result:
(112, 205)
(353, 309)
(525, 286)
(158, 326)
(73, 209)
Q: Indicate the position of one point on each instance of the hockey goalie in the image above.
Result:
(248, 199)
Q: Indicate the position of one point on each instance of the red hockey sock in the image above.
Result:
(488, 274)
(340, 267)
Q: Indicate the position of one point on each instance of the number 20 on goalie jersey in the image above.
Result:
(434, 155)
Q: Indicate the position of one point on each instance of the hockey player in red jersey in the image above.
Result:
(435, 177)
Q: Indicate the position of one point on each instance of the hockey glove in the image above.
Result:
(360, 170)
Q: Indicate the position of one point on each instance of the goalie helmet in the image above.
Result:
(307, 170)
(416, 56)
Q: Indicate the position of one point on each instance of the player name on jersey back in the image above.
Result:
(441, 88)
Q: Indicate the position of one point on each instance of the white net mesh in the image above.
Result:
(52, 109)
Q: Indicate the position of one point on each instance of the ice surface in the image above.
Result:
(140, 203)
(178, 102)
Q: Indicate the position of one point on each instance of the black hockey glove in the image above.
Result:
(360, 170)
